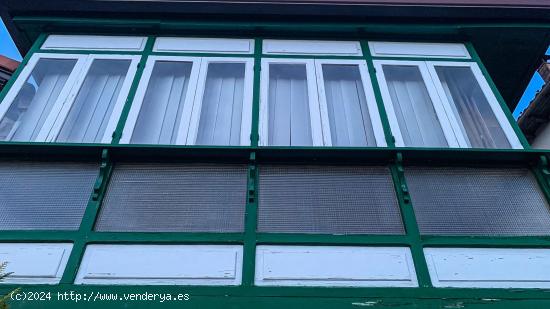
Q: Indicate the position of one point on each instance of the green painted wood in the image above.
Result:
(390, 140)
(117, 135)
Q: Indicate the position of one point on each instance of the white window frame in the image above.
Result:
(188, 128)
(58, 119)
(443, 110)
(63, 94)
(314, 109)
(135, 109)
(487, 91)
(246, 117)
(374, 113)
(442, 105)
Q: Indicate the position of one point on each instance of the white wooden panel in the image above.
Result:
(201, 45)
(334, 266)
(346, 48)
(34, 263)
(406, 49)
(489, 267)
(96, 42)
(161, 264)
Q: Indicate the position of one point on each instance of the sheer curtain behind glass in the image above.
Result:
(349, 118)
(476, 118)
(159, 118)
(288, 106)
(32, 105)
(222, 105)
(418, 122)
(91, 111)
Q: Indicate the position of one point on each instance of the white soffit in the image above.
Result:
(204, 45)
(421, 50)
(34, 263)
(334, 266)
(95, 42)
(489, 267)
(161, 264)
(292, 47)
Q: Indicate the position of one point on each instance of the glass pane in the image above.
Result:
(348, 112)
(288, 103)
(44, 195)
(174, 198)
(222, 105)
(91, 111)
(476, 118)
(32, 105)
(160, 115)
(327, 200)
(478, 201)
(418, 122)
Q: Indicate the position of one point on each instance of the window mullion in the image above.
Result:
(444, 120)
(313, 100)
(187, 131)
(446, 104)
(323, 106)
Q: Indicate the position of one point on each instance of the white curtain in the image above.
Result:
(91, 111)
(222, 104)
(418, 122)
(288, 106)
(159, 118)
(476, 118)
(348, 112)
(33, 103)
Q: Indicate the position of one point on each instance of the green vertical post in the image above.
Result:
(409, 221)
(390, 140)
(254, 134)
(251, 218)
(117, 135)
(89, 218)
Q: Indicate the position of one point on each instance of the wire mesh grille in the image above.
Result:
(44, 195)
(174, 198)
(327, 199)
(478, 201)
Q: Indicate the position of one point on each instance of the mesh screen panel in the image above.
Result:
(478, 201)
(44, 195)
(327, 199)
(174, 198)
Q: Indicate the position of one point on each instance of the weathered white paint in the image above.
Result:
(204, 45)
(347, 48)
(161, 264)
(489, 267)
(34, 263)
(334, 266)
(409, 49)
(95, 42)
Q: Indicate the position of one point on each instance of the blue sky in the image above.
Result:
(7, 48)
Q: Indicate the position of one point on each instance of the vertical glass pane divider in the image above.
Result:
(89, 218)
(117, 135)
(254, 132)
(500, 99)
(409, 220)
(377, 94)
(34, 49)
(251, 219)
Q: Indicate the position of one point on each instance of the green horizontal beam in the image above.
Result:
(164, 237)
